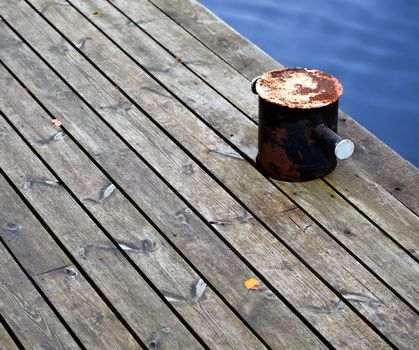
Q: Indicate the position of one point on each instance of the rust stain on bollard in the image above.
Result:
(298, 110)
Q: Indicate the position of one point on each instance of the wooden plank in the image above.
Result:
(105, 265)
(255, 243)
(6, 341)
(383, 165)
(85, 312)
(372, 156)
(218, 36)
(264, 311)
(36, 251)
(258, 195)
(64, 286)
(210, 317)
(377, 204)
(364, 239)
(213, 70)
(26, 312)
(192, 53)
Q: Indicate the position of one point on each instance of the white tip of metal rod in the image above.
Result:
(344, 149)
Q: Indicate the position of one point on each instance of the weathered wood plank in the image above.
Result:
(25, 237)
(262, 250)
(173, 37)
(219, 37)
(259, 193)
(208, 315)
(64, 286)
(365, 240)
(377, 204)
(6, 341)
(85, 312)
(384, 166)
(26, 312)
(190, 52)
(143, 310)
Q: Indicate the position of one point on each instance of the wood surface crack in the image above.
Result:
(82, 42)
(230, 154)
(376, 300)
(42, 181)
(51, 3)
(58, 136)
(52, 270)
(238, 219)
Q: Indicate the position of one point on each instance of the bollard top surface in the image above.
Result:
(299, 88)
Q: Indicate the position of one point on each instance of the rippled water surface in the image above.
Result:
(369, 45)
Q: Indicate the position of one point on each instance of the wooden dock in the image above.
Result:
(132, 213)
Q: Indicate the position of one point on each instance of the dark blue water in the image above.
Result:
(369, 45)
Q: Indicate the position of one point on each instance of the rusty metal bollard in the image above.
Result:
(298, 116)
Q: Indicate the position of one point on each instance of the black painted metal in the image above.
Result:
(294, 144)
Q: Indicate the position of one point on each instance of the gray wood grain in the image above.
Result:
(106, 266)
(263, 198)
(254, 242)
(263, 310)
(26, 312)
(207, 314)
(377, 204)
(384, 166)
(85, 312)
(190, 53)
(6, 341)
(64, 286)
(25, 237)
